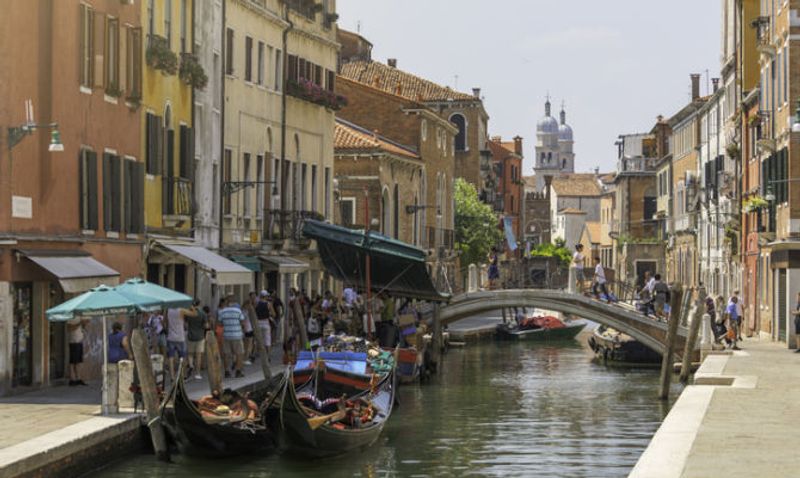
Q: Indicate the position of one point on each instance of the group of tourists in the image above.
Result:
(726, 319)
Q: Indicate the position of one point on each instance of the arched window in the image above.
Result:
(461, 138)
(386, 208)
(563, 164)
(541, 160)
(549, 157)
(396, 212)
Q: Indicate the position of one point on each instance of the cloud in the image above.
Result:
(575, 37)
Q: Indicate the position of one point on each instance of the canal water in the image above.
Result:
(498, 409)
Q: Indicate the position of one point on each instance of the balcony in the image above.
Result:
(311, 92)
(764, 36)
(282, 225)
(176, 197)
(635, 165)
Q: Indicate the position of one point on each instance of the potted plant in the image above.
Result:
(191, 72)
(113, 90)
(755, 203)
(160, 57)
(732, 150)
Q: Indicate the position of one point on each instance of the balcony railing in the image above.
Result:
(280, 225)
(176, 196)
(635, 165)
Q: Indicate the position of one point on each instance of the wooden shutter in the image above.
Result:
(91, 166)
(107, 186)
(292, 68)
(186, 152)
(183, 169)
(83, 191)
(99, 48)
(149, 141)
(138, 192)
(116, 193)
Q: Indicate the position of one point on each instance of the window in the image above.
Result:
(327, 193)
(227, 170)
(229, 51)
(278, 70)
(112, 192)
(133, 204)
(246, 179)
(461, 138)
(88, 189)
(133, 69)
(168, 22)
(248, 59)
(87, 46)
(186, 153)
(112, 54)
(291, 69)
(154, 138)
(151, 19)
(183, 25)
(303, 185)
(330, 82)
(260, 64)
(215, 193)
(314, 206)
(424, 130)
(260, 186)
(786, 75)
(347, 211)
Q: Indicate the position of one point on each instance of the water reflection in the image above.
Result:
(506, 409)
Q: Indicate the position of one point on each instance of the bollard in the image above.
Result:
(300, 322)
(149, 394)
(125, 371)
(213, 362)
(707, 340)
(472, 285)
(694, 328)
(672, 332)
(110, 405)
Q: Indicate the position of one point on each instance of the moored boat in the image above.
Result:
(220, 432)
(612, 346)
(542, 328)
(317, 426)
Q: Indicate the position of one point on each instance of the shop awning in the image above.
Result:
(284, 264)
(395, 267)
(76, 271)
(225, 270)
(250, 262)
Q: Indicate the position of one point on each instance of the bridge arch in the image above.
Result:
(648, 331)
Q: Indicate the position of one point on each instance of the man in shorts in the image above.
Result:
(196, 338)
(265, 314)
(76, 336)
(176, 335)
(232, 318)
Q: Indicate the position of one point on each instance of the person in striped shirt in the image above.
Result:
(232, 317)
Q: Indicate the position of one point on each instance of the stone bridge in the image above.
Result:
(646, 330)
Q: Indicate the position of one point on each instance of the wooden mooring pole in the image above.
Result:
(262, 348)
(675, 304)
(436, 336)
(147, 382)
(213, 362)
(694, 329)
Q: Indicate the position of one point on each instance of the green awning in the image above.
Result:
(395, 267)
(250, 262)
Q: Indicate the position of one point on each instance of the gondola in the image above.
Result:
(197, 436)
(613, 347)
(332, 437)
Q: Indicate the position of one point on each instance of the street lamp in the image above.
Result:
(17, 133)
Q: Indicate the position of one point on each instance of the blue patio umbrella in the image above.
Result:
(163, 297)
(101, 301)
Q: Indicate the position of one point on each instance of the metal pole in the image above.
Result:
(105, 407)
(672, 332)
(691, 340)
(368, 264)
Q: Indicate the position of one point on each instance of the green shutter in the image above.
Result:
(91, 166)
(107, 182)
(83, 190)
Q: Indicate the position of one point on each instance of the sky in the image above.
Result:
(616, 64)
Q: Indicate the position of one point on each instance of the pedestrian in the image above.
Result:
(219, 333)
(156, 333)
(711, 310)
(494, 268)
(277, 305)
(118, 345)
(196, 338)
(75, 328)
(734, 320)
(739, 312)
(660, 292)
(796, 313)
(176, 336)
(265, 314)
(232, 318)
(249, 311)
(599, 283)
(577, 265)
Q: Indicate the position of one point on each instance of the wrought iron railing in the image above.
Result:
(280, 225)
(176, 196)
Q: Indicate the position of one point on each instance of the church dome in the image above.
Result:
(565, 132)
(548, 124)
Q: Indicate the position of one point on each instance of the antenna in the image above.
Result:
(456, 86)
(358, 27)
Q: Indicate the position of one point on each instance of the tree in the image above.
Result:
(557, 249)
(475, 223)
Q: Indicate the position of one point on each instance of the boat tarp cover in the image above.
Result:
(396, 267)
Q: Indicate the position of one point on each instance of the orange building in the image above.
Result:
(507, 159)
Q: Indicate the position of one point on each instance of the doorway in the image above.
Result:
(22, 353)
(641, 268)
(58, 338)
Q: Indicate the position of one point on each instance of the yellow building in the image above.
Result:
(173, 259)
(277, 165)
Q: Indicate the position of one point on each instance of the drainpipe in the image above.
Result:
(283, 169)
(221, 185)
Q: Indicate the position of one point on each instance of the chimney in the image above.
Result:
(518, 145)
(695, 86)
(392, 62)
(715, 82)
(497, 139)
(476, 92)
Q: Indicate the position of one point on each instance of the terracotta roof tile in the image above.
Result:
(351, 137)
(399, 82)
(578, 184)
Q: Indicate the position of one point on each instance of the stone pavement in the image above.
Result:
(739, 419)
